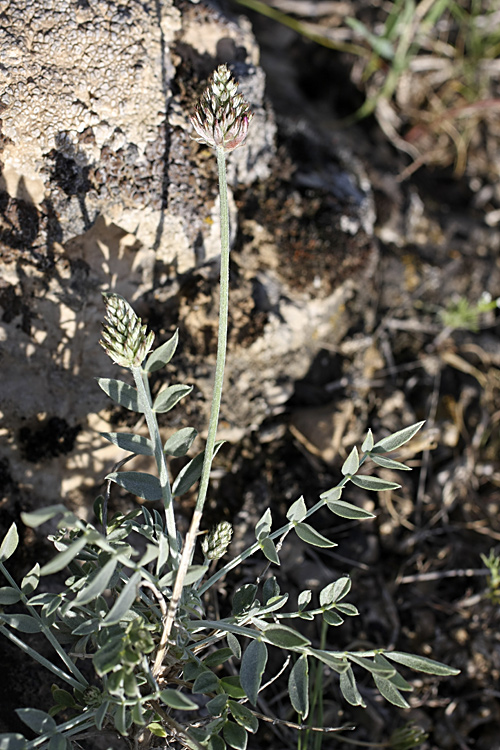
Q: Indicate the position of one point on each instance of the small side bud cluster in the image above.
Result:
(215, 544)
(124, 338)
(222, 115)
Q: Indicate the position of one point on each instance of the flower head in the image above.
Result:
(222, 115)
(124, 338)
(215, 544)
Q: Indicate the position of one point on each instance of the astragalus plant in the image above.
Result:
(132, 648)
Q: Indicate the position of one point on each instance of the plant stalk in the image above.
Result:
(142, 385)
(190, 541)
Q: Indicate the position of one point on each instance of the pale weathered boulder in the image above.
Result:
(103, 188)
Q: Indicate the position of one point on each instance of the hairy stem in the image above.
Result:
(142, 385)
(190, 541)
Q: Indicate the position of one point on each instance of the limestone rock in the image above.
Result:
(103, 188)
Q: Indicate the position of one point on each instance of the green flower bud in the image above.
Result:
(124, 338)
(222, 115)
(215, 544)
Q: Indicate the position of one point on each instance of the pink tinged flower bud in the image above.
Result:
(222, 115)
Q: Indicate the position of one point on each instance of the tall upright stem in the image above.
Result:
(222, 334)
(143, 391)
(190, 540)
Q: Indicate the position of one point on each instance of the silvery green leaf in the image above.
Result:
(191, 472)
(138, 483)
(206, 682)
(194, 573)
(216, 658)
(269, 549)
(162, 355)
(390, 692)
(217, 705)
(421, 663)
(9, 543)
(235, 735)
(101, 714)
(253, 664)
(61, 560)
(163, 552)
(332, 618)
(129, 441)
(374, 483)
(306, 532)
(270, 589)
(277, 602)
(347, 510)
(216, 743)
(397, 439)
(58, 742)
(372, 666)
(285, 637)
(108, 656)
(347, 609)
(30, 582)
(243, 598)
(334, 662)
(349, 689)
(98, 583)
(36, 720)
(234, 645)
(244, 716)
(23, 623)
(170, 396)
(180, 442)
(121, 393)
(124, 602)
(335, 591)
(389, 463)
(298, 686)
(351, 464)
(9, 595)
(367, 442)
(35, 518)
(264, 525)
(297, 511)
(13, 741)
(149, 555)
(304, 598)
(331, 495)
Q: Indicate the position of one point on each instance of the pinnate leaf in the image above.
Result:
(349, 688)
(285, 637)
(121, 393)
(23, 623)
(351, 464)
(138, 483)
(9, 543)
(397, 439)
(129, 441)
(347, 510)
(421, 663)
(244, 716)
(191, 472)
(390, 692)
(170, 396)
(374, 483)
(235, 735)
(163, 354)
(297, 511)
(38, 721)
(180, 442)
(65, 557)
(306, 532)
(253, 664)
(124, 601)
(298, 686)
